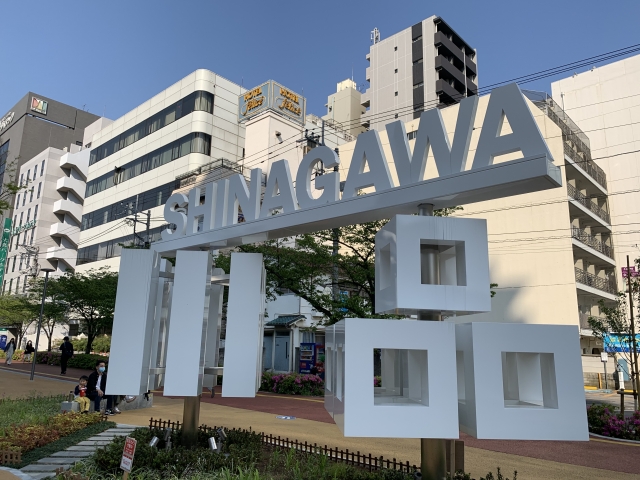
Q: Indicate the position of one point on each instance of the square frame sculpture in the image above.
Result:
(520, 382)
(349, 392)
(463, 265)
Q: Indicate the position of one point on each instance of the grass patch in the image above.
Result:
(31, 410)
(63, 443)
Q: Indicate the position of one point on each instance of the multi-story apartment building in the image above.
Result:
(424, 66)
(344, 108)
(135, 160)
(550, 252)
(605, 102)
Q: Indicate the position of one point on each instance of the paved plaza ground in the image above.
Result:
(595, 459)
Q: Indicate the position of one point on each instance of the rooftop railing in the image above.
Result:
(577, 145)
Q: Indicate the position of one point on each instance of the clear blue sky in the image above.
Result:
(112, 56)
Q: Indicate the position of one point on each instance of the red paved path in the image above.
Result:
(607, 455)
(603, 454)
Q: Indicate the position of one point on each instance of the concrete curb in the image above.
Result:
(613, 439)
(17, 473)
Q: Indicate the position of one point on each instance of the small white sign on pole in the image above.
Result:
(604, 357)
(127, 454)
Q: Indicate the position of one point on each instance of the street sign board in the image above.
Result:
(604, 357)
(127, 454)
(625, 272)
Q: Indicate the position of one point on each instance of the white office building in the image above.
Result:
(134, 162)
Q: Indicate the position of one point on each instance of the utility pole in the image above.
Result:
(634, 347)
(335, 234)
(146, 223)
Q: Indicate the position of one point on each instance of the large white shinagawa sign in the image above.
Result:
(512, 381)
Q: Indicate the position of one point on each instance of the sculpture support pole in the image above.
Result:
(190, 419)
(433, 451)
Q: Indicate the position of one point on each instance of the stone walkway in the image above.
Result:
(46, 467)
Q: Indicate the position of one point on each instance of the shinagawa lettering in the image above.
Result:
(224, 198)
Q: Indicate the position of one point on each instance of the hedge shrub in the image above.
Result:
(292, 383)
(603, 420)
(85, 361)
(17, 355)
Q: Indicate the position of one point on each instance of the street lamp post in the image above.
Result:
(44, 295)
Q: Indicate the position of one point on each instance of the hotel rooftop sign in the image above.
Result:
(272, 96)
(310, 206)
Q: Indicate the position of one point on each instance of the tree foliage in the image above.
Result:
(89, 297)
(616, 320)
(15, 313)
(304, 265)
(54, 311)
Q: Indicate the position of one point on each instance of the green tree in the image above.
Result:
(617, 321)
(306, 266)
(16, 314)
(89, 297)
(54, 311)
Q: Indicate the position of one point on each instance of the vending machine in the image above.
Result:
(307, 357)
(320, 359)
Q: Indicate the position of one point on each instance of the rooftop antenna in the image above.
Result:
(375, 35)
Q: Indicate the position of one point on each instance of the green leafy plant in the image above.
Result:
(292, 384)
(30, 410)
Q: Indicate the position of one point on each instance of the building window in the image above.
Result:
(396, 94)
(18, 285)
(143, 201)
(396, 115)
(193, 143)
(88, 145)
(78, 143)
(33, 232)
(35, 214)
(395, 49)
(6, 270)
(21, 261)
(13, 266)
(24, 284)
(39, 188)
(28, 215)
(417, 39)
(24, 198)
(42, 168)
(21, 178)
(412, 135)
(18, 201)
(28, 176)
(10, 284)
(196, 101)
(21, 217)
(31, 195)
(396, 71)
(15, 218)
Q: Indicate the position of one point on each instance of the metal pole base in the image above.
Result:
(433, 458)
(190, 420)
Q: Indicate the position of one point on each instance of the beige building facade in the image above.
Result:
(605, 102)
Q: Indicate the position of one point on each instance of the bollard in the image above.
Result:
(621, 402)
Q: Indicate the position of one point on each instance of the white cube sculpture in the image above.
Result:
(463, 265)
(425, 407)
(520, 382)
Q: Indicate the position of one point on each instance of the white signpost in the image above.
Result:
(512, 380)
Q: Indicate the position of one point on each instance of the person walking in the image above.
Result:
(67, 353)
(28, 351)
(96, 386)
(9, 349)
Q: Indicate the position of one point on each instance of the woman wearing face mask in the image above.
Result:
(96, 386)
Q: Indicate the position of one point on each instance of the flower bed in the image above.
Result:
(26, 437)
(603, 420)
(292, 384)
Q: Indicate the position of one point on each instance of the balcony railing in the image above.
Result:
(587, 203)
(605, 284)
(587, 165)
(593, 242)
